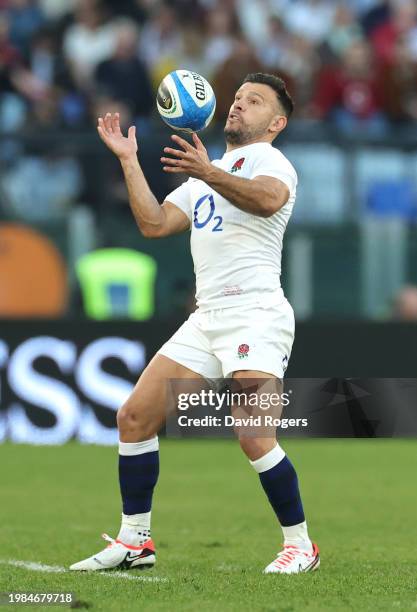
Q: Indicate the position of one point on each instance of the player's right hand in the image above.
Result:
(111, 134)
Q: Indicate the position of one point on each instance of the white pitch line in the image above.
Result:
(130, 577)
(56, 569)
(35, 567)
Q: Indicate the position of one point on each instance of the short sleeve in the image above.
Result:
(276, 165)
(181, 197)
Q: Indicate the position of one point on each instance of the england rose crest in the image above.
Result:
(237, 165)
(243, 351)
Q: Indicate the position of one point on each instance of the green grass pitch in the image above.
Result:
(213, 528)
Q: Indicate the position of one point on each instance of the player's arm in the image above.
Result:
(262, 196)
(154, 221)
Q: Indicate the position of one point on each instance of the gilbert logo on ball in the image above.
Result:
(186, 101)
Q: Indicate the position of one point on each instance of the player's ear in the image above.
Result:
(278, 123)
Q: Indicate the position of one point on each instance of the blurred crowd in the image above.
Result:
(353, 62)
(349, 63)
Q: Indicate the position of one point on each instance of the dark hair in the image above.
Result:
(278, 85)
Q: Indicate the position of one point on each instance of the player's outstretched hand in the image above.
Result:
(193, 161)
(111, 134)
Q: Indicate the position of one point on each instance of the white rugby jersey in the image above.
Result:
(237, 255)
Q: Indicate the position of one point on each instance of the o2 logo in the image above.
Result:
(200, 222)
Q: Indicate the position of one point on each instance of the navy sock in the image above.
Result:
(138, 475)
(280, 483)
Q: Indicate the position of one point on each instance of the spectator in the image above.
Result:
(49, 67)
(124, 77)
(25, 19)
(405, 305)
(278, 7)
(295, 58)
(344, 32)
(45, 115)
(192, 55)
(10, 58)
(362, 7)
(230, 75)
(12, 107)
(46, 61)
(40, 187)
(57, 9)
(160, 43)
(403, 23)
(311, 19)
(15, 77)
(301, 68)
(131, 9)
(371, 17)
(114, 198)
(273, 49)
(89, 41)
(254, 20)
(219, 42)
(349, 94)
(398, 80)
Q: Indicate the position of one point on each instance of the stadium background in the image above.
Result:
(350, 258)
(350, 270)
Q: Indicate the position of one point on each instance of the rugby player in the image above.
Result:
(237, 209)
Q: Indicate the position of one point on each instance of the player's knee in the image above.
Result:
(255, 448)
(130, 422)
(126, 419)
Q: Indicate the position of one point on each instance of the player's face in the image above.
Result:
(254, 114)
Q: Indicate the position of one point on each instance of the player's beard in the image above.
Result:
(242, 134)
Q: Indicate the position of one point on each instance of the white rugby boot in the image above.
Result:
(118, 555)
(294, 560)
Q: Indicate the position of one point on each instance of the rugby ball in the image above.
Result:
(186, 101)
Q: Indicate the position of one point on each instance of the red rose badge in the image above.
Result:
(243, 351)
(238, 165)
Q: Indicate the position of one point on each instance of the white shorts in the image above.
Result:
(219, 342)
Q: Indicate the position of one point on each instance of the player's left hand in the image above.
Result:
(193, 161)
